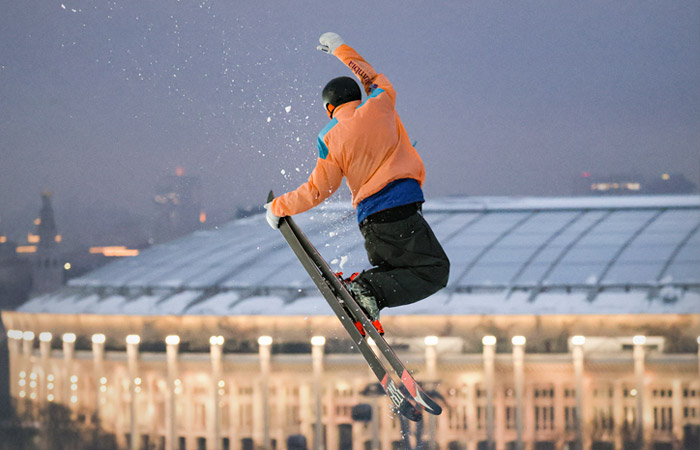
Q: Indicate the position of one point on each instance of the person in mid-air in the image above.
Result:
(366, 143)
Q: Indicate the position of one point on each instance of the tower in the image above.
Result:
(47, 271)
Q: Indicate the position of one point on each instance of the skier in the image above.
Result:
(366, 143)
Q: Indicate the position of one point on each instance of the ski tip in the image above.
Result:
(428, 404)
(436, 410)
(270, 196)
(410, 412)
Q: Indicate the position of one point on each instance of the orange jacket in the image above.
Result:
(365, 142)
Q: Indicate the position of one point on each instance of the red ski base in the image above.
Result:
(376, 324)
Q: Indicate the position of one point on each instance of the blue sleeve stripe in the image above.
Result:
(374, 93)
(322, 148)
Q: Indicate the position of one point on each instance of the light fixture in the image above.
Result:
(639, 340)
(488, 340)
(28, 335)
(431, 341)
(69, 338)
(518, 340)
(265, 340)
(14, 334)
(133, 339)
(578, 340)
(45, 336)
(318, 341)
(172, 339)
(216, 340)
(98, 338)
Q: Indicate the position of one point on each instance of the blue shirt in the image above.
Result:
(397, 193)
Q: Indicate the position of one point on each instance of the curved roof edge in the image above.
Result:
(632, 255)
(462, 203)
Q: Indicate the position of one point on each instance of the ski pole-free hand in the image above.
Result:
(272, 219)
(329, 42)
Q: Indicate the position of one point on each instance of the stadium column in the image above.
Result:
(317, 347)
(677, 411)
(558, 417)
(264, 344)
(171, 350)
(518, 375)
(14, 338)
(68, 350)
(618, 415)
(28, 349)
(30, 374)
(472, 413)
(132, 353)
(431, 343)
(639, 355)
(489, 350)
(45, 354)
(216, 344)
(577, 343)
(98, 357)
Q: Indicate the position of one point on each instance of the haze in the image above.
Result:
(98, 100)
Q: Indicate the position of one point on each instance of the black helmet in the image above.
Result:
(338, 91)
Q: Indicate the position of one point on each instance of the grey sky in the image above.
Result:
(98, 99)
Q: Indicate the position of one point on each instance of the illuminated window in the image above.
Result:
(114, 251)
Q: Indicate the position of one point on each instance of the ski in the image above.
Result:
(404, 392)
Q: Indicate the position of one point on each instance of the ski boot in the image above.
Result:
(364, 299)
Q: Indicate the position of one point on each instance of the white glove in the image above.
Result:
(272, 219)
(329, 42)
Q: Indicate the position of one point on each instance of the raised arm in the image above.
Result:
(370, 79)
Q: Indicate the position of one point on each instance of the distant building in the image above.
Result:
(47, 265)
(633, 184)
(177, 207)
(567, 323)
(15, 276)
(35, 264)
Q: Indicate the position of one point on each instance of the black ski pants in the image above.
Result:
(410, 263)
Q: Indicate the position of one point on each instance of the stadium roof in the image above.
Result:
(602, 255)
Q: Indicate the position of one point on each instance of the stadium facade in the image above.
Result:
(565, 321)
